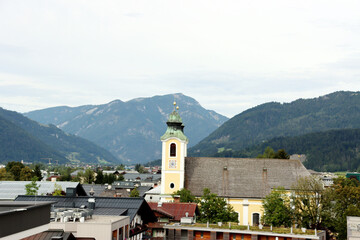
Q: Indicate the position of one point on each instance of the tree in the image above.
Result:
(99, 177)
(341, 200)
(134, 193)
(215, 209)
(307, 201)
(6, 176)
(15, 169)
(185, 195)
(268, 153)
(32, 188)
(120, 167)
(58, 190)
(26, 174)
(140, 168)
(281, 154)
(37, 172)
(277, 209)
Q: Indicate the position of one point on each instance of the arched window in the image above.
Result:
(255, 219)
(173, 150)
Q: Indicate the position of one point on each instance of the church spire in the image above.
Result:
(175, 127)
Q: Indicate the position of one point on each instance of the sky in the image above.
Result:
(228, 55)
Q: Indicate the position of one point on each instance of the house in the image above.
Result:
(171, 212)
(96, 227)
(243, 182)
(153, 195)
(136, 209)
(38, 220)
(231, 232)
(9, 190)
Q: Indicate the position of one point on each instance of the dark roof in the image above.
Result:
(176, 210)
(142, 176)
(104, 190)
(103, 205)
(241, 177)
(50, 234)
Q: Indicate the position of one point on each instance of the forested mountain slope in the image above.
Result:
(333, 150)
(50, 142)
(339, 110)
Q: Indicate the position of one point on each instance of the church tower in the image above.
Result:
(174, 151)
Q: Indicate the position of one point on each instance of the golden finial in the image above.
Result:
(174, 105)
(177, 107)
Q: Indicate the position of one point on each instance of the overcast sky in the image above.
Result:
(228, 55)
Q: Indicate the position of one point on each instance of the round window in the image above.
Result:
(172, 185)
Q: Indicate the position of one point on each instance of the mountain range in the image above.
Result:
(131, 130)
(338, 110)
(25, 139)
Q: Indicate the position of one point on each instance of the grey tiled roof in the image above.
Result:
(241, 177)
(142, 176)
(11, 189)
(103, 205)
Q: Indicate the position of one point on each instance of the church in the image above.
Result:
(243, 182)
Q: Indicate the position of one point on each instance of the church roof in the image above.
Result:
(241, 177)
(174, 117)
(175, 127)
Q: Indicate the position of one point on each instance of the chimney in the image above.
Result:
(91, 202)
(177, 199)
(159, 204)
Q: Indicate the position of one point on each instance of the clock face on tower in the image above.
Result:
(172, 163)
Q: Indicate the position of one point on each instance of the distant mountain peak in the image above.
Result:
(121, 127)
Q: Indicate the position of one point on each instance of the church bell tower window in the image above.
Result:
(173, 150)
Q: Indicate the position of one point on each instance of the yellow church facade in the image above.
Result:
(243, 182)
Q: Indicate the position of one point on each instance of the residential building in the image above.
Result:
(136, 209)
(229, 232)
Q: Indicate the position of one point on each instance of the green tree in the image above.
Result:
(140, 168)
(277, 209)
(37, 172)
(185, 195)
(268, 153)
(307, 202)
(99, 177)
(85, 177)
(215, 209)
(111, 178)
(15, 169)
(32, 188)
(281, 154)
(57, 190)
(6, 176)
(120, 178)
(120, 167)
(341, 200)
(134, 193)
(26, 174)
(65, 173)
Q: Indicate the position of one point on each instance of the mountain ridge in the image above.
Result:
(58, 143)
(123, 127)
(338, 110)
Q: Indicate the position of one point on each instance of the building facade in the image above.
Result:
(243, 182)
